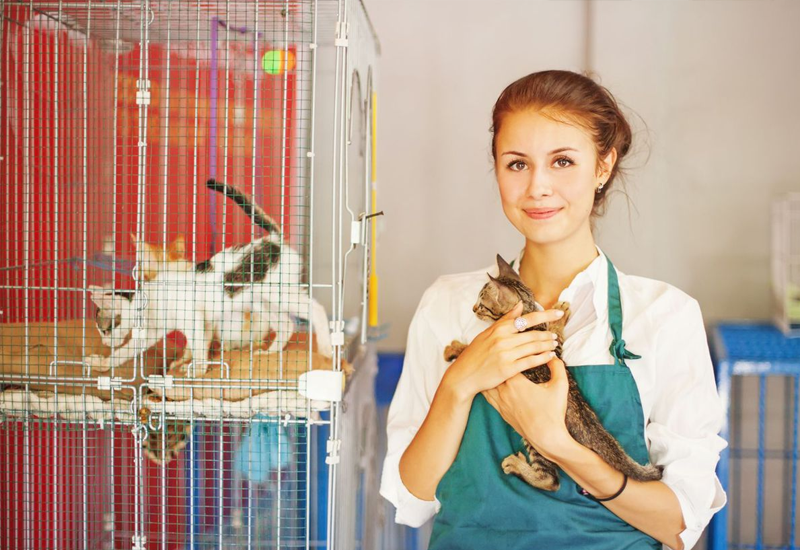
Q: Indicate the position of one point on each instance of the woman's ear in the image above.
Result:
(607, 164)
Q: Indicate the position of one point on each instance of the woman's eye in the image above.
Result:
(565, 159)
(516, 165)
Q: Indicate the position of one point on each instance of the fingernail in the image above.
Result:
(559, 313)
(555, 336)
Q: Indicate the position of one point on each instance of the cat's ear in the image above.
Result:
(177, 249)
(148, 258)
(101, 296)
(505, 270)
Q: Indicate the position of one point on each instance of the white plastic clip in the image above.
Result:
(337, 333)
(143, 92)
(310, 154)
(355, 232)
(108, 383)
(138, 333)
(321, 385)
(333, 448)
(312, 46)
(139, 542)
(341, 34)
(159, 381)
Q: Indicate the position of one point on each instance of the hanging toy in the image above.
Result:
(278, 61)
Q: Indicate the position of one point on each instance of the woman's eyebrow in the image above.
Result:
(553, 152)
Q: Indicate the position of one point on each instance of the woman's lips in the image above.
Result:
(542, 213)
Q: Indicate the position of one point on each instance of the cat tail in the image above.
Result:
(253, 211)
(622, 462)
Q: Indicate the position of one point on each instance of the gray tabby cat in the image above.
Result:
(495, 299)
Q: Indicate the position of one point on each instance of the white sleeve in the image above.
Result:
(686, 418)
(423, 368)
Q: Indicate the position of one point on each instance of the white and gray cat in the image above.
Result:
(496, 298)
(236, 297)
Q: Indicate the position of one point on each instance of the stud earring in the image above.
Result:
(600, 188)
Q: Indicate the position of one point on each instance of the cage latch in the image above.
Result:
(108, 383)
(159, 381)
(321, 385)
(139, 542)
(334, 446)
(143, 92)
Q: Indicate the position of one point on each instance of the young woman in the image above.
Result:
(637, 348)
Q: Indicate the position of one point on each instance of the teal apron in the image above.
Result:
(483, 508)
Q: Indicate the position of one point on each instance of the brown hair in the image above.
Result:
(576, 99)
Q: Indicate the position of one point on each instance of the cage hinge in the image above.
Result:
(159, 381)
(139, 542)
(108, 383)
(321, 385)
(312, 46)
(333, 448)
(143, 92)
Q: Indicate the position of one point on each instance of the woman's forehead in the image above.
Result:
(532, 133)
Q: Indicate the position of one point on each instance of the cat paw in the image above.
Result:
(557, 327)
(453, 350)
(515, 464)
(98, 363)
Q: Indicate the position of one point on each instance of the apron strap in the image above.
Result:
(617, 349)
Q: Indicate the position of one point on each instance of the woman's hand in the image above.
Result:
(536, 411)
(500, 352)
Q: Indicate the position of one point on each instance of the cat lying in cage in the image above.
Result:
(237, 297)
(498, 297)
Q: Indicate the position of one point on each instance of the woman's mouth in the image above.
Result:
(542, 213)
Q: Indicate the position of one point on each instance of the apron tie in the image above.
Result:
(618, 350)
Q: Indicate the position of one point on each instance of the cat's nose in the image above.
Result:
(475, 308)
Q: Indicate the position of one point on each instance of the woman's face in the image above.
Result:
(546, 171)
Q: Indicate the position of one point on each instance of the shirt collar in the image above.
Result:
(595, 274)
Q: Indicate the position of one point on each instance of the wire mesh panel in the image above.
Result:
(175, 313)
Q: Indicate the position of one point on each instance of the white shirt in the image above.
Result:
(682, 410)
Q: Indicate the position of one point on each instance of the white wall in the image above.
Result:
(716, 83)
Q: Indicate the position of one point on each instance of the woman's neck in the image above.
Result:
(548, 269)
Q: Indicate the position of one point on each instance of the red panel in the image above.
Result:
(74, 192)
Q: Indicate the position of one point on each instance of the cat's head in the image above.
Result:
(500, 294)
(114, 316)
(151, 258)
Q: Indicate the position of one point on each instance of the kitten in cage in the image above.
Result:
(498, 297)
(237, 296)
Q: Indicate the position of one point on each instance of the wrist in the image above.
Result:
(453, 389)
(560, 447)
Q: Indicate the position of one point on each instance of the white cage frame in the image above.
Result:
(341, 38)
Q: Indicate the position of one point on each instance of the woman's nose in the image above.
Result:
(539, 184)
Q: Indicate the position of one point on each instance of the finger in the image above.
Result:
(532, 361)
(521, 338)
(546, 316)
(533, 318)
(533, 348)
(558, 371)
(514, 312)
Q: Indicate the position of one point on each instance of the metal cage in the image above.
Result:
(173, 372)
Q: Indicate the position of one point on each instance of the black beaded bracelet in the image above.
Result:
(612, 497)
